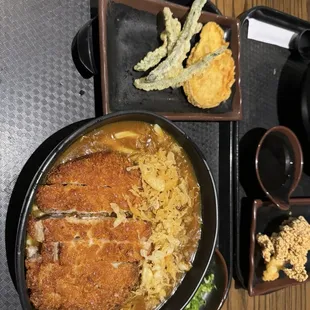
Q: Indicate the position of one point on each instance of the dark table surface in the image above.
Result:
(40, 92)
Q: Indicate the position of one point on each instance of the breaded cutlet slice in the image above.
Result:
(97, 169)
(79, 252)
(92, 285)
(69, 228)
(75, 198)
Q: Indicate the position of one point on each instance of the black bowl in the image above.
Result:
(305, 102)
(209, 211)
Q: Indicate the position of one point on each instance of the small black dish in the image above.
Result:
(266, 219)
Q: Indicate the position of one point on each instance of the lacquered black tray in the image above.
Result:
(271, 88)
(127, 31)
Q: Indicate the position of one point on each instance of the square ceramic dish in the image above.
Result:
(127, 31)
(266, 219)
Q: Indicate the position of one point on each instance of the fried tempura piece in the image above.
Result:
(182, 46)
(169, 36)
(60, 198)
(266, 245)
(212, 86)
(183, 75)
(289, 246)
(207, 89)
(211, 38)
(173, 29)
(272, 269)
(151, 59)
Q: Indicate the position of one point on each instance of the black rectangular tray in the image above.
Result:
(270, 80)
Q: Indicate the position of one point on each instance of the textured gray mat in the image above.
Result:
(40, 93)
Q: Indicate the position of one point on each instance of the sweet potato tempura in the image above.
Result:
(289, 246)
(210, 87)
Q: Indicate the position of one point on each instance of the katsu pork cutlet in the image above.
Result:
(84, 263)
(97, 169)
(79, 252)
(94, 285)
(70, 228)
(75, 198)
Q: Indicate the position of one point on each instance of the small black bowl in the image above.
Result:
(209, 210)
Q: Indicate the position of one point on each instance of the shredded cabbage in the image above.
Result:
(120, 214)
(167, 205)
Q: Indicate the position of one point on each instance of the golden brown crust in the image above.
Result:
(213, 85)
(68, 228)
(35, 229)
(81, 252)
(266, 245)
(86, 263)
(211, 38)
(31, 228)
(85, 273)
(75, 198)
(97, 169)
(95, 285)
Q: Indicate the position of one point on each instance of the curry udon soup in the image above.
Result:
(148, 180)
